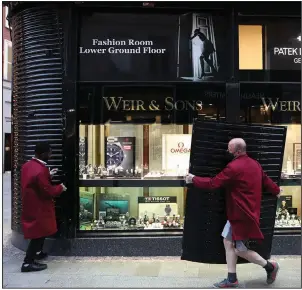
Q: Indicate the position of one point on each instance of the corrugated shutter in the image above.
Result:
(205, 211)
(37, 93)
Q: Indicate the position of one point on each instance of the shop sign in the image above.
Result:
(181, 149)
(176, 150)
(153, 47)
(121, 104)
(281, 106)
(157, 199)
(284, 45)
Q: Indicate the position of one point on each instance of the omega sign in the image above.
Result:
(180, 149)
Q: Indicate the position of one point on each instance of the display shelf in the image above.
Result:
(290, 182)
(155, 182)
(287, 230)
(176, 182)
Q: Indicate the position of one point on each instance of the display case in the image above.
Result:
(277, 104)
(132, 160)
(110, 209)
(134, 177)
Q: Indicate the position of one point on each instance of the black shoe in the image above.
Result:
(33, 267)
(41, 256)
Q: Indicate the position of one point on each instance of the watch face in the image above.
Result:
(115, 155)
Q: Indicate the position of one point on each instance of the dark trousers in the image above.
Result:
(35, 246)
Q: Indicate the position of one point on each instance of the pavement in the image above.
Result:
(134, 272)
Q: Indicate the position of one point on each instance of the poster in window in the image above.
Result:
(158, 206)
(153, 47)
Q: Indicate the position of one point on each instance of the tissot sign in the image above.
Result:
(284, 45)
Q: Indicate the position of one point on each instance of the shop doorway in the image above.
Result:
(7, 152)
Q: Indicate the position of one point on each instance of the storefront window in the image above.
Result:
(270, 49)
(279, 105)
(131, 209)
(125, 155)
(134, 150)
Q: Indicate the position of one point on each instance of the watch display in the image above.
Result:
(120, 154)
(114, 155)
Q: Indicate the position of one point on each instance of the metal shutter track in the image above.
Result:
(37, 93)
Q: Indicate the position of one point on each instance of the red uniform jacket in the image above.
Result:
(38, 212)
(243, 180)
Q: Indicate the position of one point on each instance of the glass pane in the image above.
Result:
(131, 209)
(10, 54)
(9, 72)
(288, 213)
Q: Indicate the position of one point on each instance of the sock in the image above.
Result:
(232, 277)
(38, 253)
(269, 267)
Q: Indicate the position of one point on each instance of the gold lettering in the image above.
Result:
(140, 105)
(132, 105)
(296, 103)
(169, 104)
(270, 105)
(199, 105)
(126, 105)
(283, 106)
(113, 103)
(190, 105)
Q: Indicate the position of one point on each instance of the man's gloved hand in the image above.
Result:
(64, 187)
(53, 172)
(189, 178)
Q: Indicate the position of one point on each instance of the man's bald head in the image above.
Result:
(237, 146)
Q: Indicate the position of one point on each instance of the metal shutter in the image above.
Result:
(37, 93)
(205, 211)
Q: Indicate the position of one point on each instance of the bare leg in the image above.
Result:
(252, 257)
(201, 59)
(210, 63)
(231, 256)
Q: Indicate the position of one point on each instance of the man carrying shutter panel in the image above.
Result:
(243, 179)
(38, 212)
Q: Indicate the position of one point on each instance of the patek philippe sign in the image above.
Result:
(152, 47)
(284, 45)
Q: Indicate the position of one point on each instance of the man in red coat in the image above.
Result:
(38, 211)
(243, 180)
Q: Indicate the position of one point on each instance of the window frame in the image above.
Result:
(6, 21)
(7, 45)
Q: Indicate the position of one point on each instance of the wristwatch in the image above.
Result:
(114, 153)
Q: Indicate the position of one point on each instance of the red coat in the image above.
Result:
(38, 211)
(243, 180)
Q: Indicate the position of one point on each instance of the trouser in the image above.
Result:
(35, 246)
(241, 246)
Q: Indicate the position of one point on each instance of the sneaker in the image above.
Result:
(226, 284)
(271, 276)
(33, 267)
(41, 256)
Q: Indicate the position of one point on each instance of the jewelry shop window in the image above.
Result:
(132, 162)
(279, 105)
